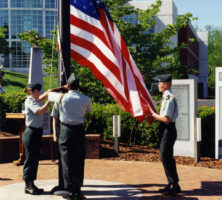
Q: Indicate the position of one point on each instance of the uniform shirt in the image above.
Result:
(72, 108)
(169, 106)
(31, 107)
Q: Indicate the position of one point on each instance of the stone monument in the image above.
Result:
(185, 91)
(218, 113)
(36, 75)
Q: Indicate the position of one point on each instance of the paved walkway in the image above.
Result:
(144, 177)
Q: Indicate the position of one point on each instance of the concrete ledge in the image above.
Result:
(9, 148)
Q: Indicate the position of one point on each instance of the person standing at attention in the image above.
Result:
(71, 109)
(32, 135)
(168, 134)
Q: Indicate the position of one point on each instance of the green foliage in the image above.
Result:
(100, 120)
(90, 85)
(3, 40)
(10, 103)
(97, 121)
(149, 50)
(48, 47)
(214, 52)
(207, 115)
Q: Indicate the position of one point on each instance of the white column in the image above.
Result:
(218, 114)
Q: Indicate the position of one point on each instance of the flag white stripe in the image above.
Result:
(96, 41)
(103, 69)
(133, 93)
(90, 20)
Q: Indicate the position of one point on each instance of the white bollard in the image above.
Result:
(199, 132)
(116, 131)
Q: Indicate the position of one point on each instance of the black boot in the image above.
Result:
(30, 188)
(78, 195)
(173, 190)
(165, 188)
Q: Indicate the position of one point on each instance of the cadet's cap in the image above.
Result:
(34, 86)
(165, 78)
(72, 79)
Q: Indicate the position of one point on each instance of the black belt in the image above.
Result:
(34, 127)
(72, 126)
(169, 124)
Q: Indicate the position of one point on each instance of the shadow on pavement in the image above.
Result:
(131, 191)
(5, 179)
(208, 188)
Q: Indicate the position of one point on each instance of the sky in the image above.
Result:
(209, 12)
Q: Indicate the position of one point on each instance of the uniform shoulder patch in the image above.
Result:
(169, 97)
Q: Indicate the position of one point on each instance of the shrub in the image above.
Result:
(10, 103)
(100, 120)
(207, 115)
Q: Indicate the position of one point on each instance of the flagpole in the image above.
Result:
(64, 29)
(64, 65)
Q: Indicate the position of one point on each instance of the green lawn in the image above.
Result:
(15, 82)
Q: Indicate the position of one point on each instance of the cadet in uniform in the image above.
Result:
(168, 134)
(31, 138)
(72, 108)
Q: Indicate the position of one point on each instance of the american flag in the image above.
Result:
(96, 43)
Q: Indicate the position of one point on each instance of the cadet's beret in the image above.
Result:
(34, 86)
(165, 78)
(72, 79)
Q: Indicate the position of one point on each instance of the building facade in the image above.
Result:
(20, 16)
(195, 55)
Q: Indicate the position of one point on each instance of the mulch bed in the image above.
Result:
(147, 154)
(5, 134)
(144, 154)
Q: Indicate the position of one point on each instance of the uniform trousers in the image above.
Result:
(61, 182)
(31, 139)
(72, 150)
(168, 135)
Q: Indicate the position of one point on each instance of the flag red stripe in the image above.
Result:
(135, 98)
(94, 49)
(83, 61)
(89, 28)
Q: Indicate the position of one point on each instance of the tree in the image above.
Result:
(214, 52)
(3, 40)
(48, 47)
(149, 50)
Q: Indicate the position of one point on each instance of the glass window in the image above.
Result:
(26, 3)
(50, 22)
(3, 3)
(26, 20)
(20, 54)
(4, 21)
(4, 18)
(150, 30)
(51, 3)
(131, 19)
